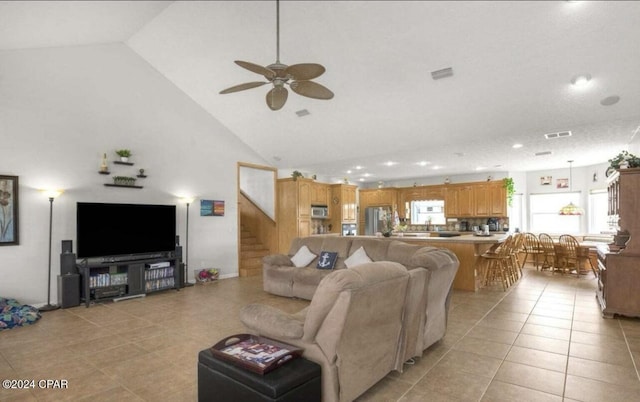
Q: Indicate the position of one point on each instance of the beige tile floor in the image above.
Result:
(542, 340)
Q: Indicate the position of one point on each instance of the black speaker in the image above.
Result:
(177, 240)
(67, 246)
(179, 253)
(68, 290)
(68, 264)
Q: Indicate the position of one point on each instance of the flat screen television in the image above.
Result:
(106, 230)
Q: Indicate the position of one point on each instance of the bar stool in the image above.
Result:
(496, 263)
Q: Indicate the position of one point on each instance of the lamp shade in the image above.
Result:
(571, 209)
(51, 193)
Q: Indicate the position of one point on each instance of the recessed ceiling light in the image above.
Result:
(610, 100)
(390, 163)
(480, 168)
(358, 167)
(348, 171)
(516, 146)
(424, 163)
(437, 167)
(581, 80)
(367, 174)
(361, 179)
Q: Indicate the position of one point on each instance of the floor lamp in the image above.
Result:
(51, 194)
(186, 245)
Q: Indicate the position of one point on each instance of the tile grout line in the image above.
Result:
(626, 341)
(519, 333)
(452, 346)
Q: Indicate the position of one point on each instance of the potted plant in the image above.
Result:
(296, 174)
(124, 154)
(507, 183)
(625, 160)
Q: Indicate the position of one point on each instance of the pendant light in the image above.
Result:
(571, 208)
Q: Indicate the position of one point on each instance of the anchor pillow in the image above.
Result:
(327, 260)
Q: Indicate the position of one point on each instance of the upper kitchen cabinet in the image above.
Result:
(378, 197)
(320, 193)
(476, 200)
(459, 200)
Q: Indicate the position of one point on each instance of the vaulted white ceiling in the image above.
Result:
(512, 66)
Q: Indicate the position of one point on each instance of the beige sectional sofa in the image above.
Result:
(365, 320)
(429, 292)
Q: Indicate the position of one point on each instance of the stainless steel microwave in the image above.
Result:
(319, 212)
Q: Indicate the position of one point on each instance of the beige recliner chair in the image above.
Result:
(352, 327)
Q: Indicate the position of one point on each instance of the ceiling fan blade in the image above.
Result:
(269, 74)
(242, 87)
(277, 97)
(311, 89)
(306, 71)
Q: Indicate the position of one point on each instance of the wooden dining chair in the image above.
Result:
(568, 258)
(516, 248)
(531, 246)
(546, 243)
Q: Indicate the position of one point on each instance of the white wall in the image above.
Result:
(62, 108)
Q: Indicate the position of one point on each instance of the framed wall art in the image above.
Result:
(8, 210)
(562, 183)
(211, 208)
(545, 180)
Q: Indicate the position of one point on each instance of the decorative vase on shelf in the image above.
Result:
(386, 234)
(103, 166)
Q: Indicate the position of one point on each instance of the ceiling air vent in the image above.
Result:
(444, 73)
(543, 153)
(558, 135)
(302, 113)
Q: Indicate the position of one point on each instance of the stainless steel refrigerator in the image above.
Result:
(373, 219)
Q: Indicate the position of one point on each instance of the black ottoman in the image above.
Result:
(218, 380)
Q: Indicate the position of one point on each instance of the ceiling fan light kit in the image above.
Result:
(297, 76)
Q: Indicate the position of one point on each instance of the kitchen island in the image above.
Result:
(468, 248)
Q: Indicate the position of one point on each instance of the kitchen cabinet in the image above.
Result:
(417, 193)
(294, 211)
(343, 205)
(459, 200)
(378, 197)
(320, 194)
(485, 199)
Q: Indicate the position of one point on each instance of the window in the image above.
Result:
(544, 213)
(598, 210)
(427, 211)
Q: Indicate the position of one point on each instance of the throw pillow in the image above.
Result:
(303, 257)
(357, 258)
(327, 260)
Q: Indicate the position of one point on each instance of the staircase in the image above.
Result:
(251, 253)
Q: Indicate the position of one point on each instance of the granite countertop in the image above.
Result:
(466, 238)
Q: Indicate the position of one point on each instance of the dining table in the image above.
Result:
(586, 253)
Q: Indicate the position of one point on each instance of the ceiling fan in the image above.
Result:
(297, 76)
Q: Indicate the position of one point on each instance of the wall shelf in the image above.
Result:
(123, 163)
(104, 172)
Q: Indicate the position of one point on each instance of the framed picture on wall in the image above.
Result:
(211, 208)
(8, 210)
(562, 183)
(545, 180)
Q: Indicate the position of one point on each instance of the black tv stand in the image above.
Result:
(122, 279)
